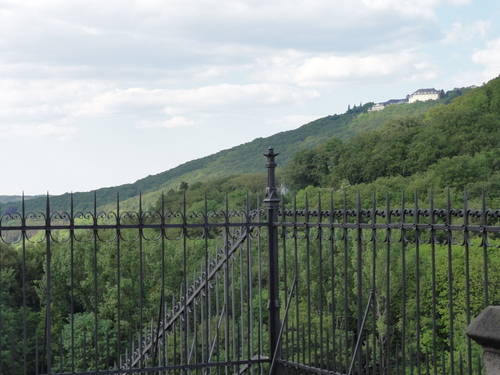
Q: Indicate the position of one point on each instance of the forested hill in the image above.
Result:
(245, 158)
(456, 146)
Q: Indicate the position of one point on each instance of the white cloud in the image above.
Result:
(421, 8)
(29, 102)
(152, 14)
(324, 69)
(174, 110)
(62, 133)
(59, 102)
(203, 100)
(489, 57)
(174, 122)
(465, 33)
(458, 2)
(209, 73)
(114, 31)
(77, 68)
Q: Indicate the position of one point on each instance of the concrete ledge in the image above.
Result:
(485, 330)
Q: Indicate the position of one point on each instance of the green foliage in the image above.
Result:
(79, 343)
(452, 145)
(18, 319)
(306, 168)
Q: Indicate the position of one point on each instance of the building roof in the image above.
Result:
(426, 91)
(395, 101)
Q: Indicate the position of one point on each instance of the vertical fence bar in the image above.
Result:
(467, 279)
(184, 289)
(449, 243)
(272, 204)
(346, 282)
(285, 276)
(307, 235)
(95, 263)
(403, 282)
(416, 221)
(141, 284)
(208, 317)
(320, 256)
(359, 265)
(226, 287)
(205, 304)
(433, 241)
(296, 269)
(250, 313)
(219, 319)
(388, 239)
(25, 330)
(48, 315)
(234, 325)
(118, 280)
(485, 245)
(334, 252)
(374, 240)
(72, 280)
(259, 252)
(174, 338)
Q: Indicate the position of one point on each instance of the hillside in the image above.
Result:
(454, 146)
(442, 144)
(6, 199)
(245, 158)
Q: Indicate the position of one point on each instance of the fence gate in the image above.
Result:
(324, 282)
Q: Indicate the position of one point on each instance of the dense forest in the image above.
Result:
(454, 145)
(448, 145)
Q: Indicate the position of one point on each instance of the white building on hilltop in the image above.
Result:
(420, 95)
(423, 94)
(381, 106)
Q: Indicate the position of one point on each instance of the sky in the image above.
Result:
(102, 93)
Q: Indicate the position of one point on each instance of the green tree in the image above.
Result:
(307, 167)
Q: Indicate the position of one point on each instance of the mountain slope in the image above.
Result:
(454, 146)
(245, 158)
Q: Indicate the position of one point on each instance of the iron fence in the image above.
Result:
(322, 282)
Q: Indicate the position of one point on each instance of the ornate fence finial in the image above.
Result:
(271, 192)
(272, 202)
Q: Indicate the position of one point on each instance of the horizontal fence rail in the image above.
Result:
(381, 289)
(323, 282)
(123, 292)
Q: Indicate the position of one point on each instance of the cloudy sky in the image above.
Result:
(102, 93)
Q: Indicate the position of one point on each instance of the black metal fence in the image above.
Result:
(321, 283)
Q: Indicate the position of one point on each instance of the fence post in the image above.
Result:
(272, 203)
(485, 330)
